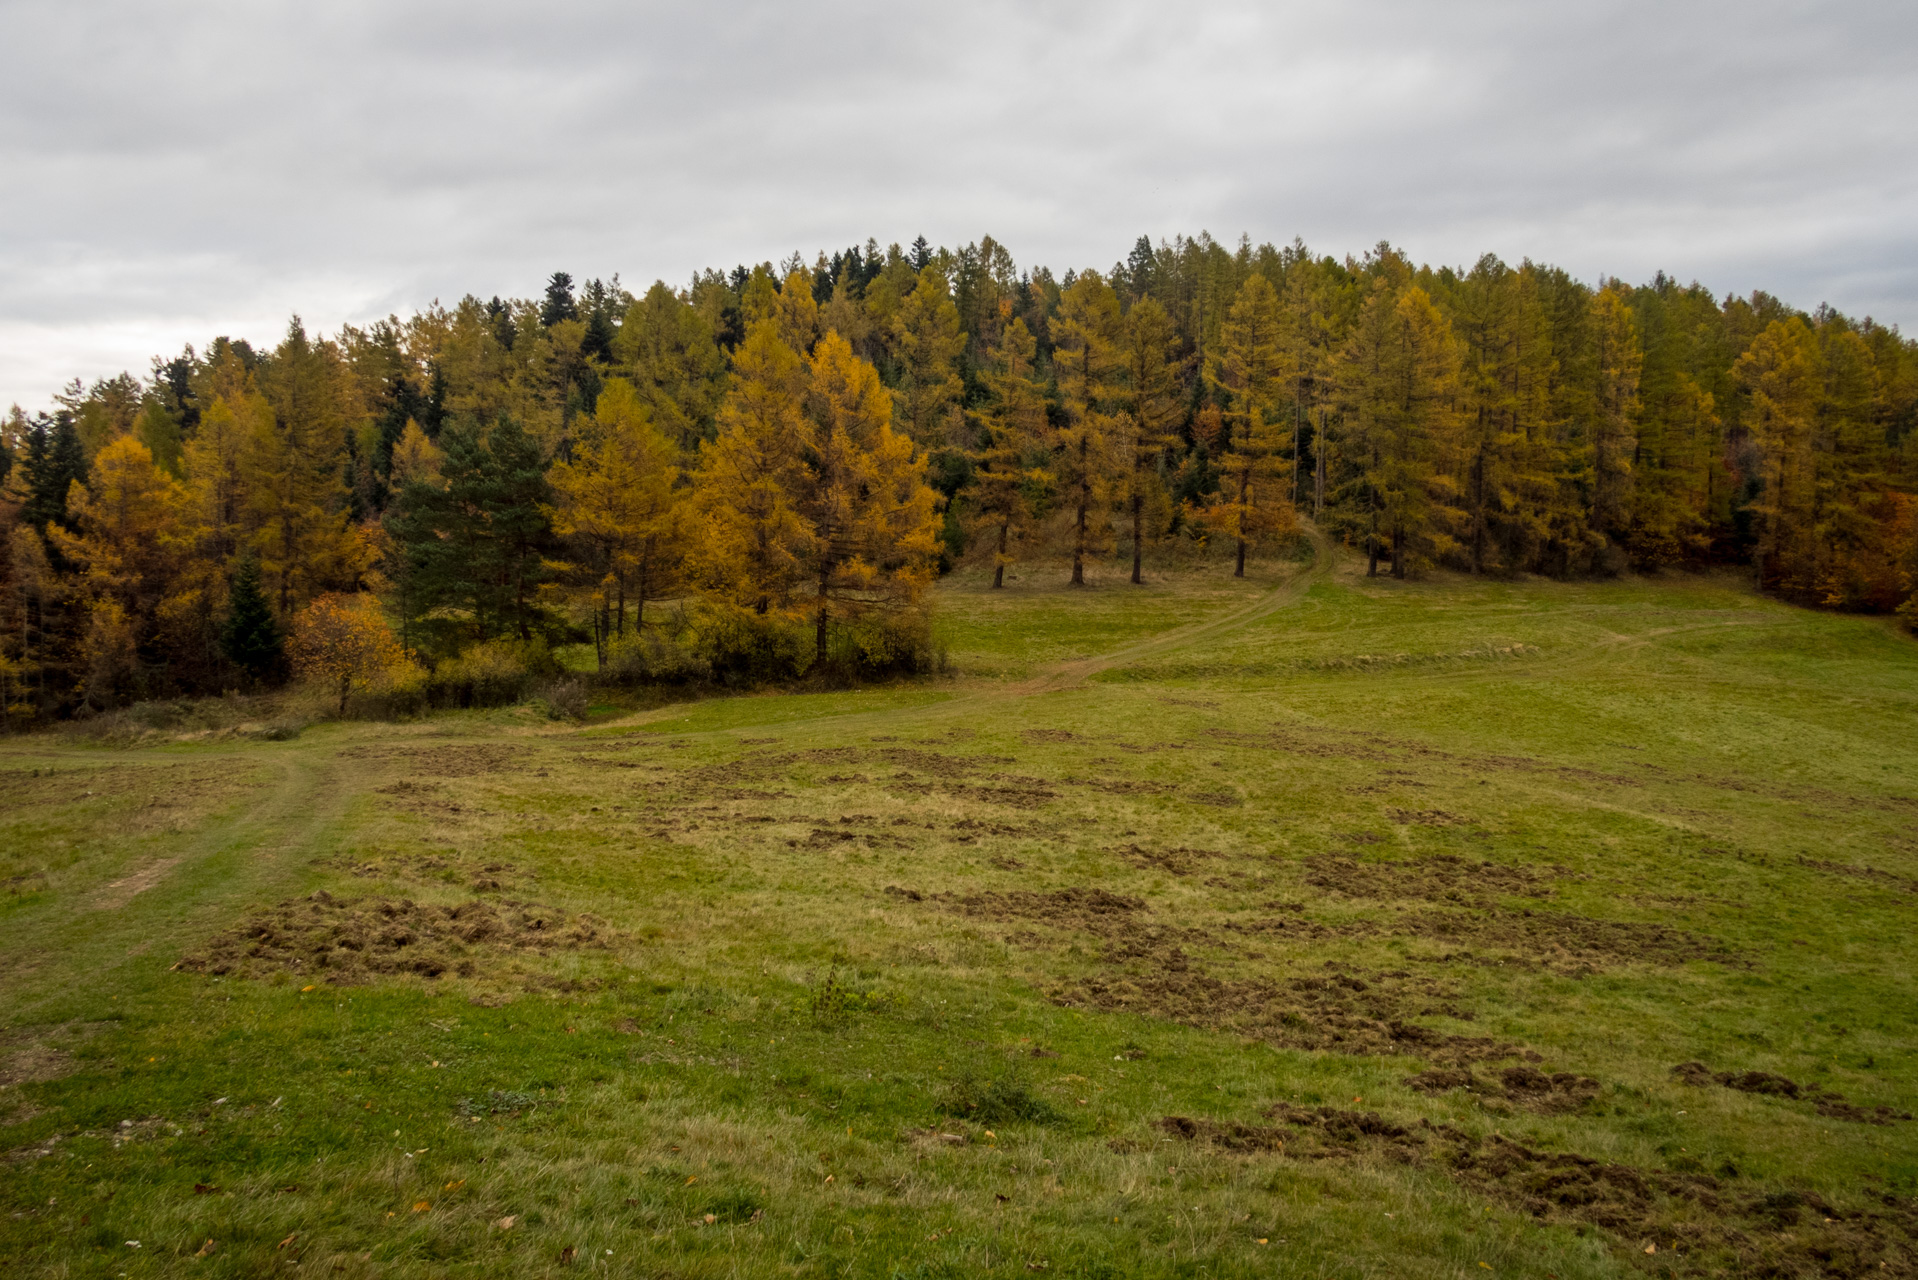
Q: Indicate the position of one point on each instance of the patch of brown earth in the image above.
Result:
(124, 890)
(1689, 1222)
(1524, 1086)
(1900, 884)
(449, 761)
(1344, 1012)
(1442, 878)
(1226, 1135)
(1049, 735)
(35, 1055)
(1831, 1105)
(349, 941)
(1180, 862)
(1677, 1221)
(1566, 942)
(1426, 818)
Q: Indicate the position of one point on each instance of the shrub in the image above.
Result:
(497, 673)
(659, 656)
(343, 642)
(1001, 1100)
(565, 699)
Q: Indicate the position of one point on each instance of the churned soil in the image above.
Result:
(350, 941)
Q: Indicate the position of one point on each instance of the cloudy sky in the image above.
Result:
(178, 170)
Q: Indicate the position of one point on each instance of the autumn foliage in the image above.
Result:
(756, 476)
(344, 642)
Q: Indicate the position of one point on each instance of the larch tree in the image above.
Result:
(1007, 484)
(754, 545)
(617, 506)
(1617, 363)
(1780, 374)
(1250, 371)
(1149, 414)
(926, 341)
(1087, 367)
(861, 493)
(671, 354)
(1401, 388)
(292, 466)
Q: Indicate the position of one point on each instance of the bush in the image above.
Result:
(565, 699)
(497, 673)
(1001, 1100)
(656, 657)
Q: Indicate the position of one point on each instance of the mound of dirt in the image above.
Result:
(350, 941)
(1680, 1221)
(1704, 1226)
(1224, 1134)
(1443, 878)
(1180, 861)
(1343, 1013)
(1566, 941)
(1525, 1086)
(1832, 1106)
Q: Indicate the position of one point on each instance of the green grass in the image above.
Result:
(903, 981)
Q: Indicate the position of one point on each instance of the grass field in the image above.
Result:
(1304, 925)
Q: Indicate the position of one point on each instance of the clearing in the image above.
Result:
(1299, 925)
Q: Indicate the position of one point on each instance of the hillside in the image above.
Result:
(1307, 923)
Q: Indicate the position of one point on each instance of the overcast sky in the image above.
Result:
(174, 171)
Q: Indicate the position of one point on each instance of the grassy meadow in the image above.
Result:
(1300, 925)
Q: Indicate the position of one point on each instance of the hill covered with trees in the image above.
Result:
(758, 475)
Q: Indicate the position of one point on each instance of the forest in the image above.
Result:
(756, 477)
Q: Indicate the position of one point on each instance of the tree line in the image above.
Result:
(760, 472)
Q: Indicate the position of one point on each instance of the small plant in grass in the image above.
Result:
(834, 1001)
(1001, 1099)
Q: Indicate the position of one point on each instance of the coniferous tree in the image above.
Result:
(1250, 371)
(1087, 367)
(1007, 484)
(251, 637)
(475, 541)
(1151, 409)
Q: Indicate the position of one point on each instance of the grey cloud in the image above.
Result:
(174, 171)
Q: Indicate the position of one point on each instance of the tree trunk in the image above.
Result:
(1318, 469)
(1079, 542)
(1245, 491)
(1138, 536)
(1398, 544)
(819, 635)
(1372, 542)
(999, 564)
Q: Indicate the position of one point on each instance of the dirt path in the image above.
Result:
(258, 849)
(1066, 675)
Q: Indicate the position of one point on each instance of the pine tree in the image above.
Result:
(250, 637)
(477, 540)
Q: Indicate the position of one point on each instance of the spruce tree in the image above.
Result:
(251, 637)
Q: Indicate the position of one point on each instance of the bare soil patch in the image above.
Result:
(35, 1055)
(351, 941)
(124, 890)
(1829, 1104)
(1441, 878)
(1524, 1086)
(1566, 942)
